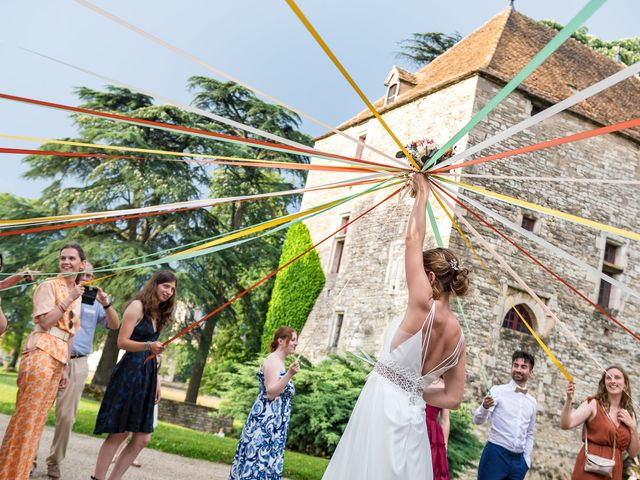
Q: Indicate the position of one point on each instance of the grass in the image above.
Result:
(172, 438)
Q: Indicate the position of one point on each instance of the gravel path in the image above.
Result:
(83, 450)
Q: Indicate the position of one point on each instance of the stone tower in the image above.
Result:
(365, 285)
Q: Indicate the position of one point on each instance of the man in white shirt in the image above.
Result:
(512, 412)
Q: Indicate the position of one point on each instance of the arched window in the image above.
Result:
(513, 321)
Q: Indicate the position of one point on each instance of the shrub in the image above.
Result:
(296, 287)
(464, 448)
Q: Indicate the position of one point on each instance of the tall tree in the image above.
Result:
(422, 48)
(242, 324)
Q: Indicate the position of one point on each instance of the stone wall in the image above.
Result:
(185, 414)
(369, 290)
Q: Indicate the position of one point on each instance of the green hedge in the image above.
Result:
(296, 287)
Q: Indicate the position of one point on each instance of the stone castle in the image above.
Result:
(365, 286)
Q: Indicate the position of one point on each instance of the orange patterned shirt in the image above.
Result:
(47, 297)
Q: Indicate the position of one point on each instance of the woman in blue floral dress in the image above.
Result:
(260, 453)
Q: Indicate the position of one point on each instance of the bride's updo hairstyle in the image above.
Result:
(451, 276)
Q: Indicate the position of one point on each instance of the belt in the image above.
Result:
(59, 333)
(74, 355)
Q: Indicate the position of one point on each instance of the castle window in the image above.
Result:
(360, 148)
(528, 223)
(512, 320)
(392, 92)
(610, 266)
(338, 245)
(336, 330)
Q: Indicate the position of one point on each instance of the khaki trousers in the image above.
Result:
(67, 403)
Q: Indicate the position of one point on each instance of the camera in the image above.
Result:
(89, 295)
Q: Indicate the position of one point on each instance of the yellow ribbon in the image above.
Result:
(346, 75)
(547, 210)
(486, 267)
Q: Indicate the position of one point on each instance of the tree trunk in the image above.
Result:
(201, 359)
(108, 359)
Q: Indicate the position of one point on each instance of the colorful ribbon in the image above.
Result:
(546, 245)
(273, 273)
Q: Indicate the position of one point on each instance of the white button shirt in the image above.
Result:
(513, 419)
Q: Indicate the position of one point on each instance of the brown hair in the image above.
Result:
(603, 396)
(160, 311)
(283, 332)
(450, 275)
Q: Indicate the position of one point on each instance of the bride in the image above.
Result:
(386, 438)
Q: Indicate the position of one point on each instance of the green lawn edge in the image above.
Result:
(173, 438)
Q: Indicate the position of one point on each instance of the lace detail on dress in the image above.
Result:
(405, 379)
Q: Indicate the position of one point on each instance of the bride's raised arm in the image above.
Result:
(418, 282)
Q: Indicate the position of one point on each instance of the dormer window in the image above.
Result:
(398, 81)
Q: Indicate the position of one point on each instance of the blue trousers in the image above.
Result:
(498, 463)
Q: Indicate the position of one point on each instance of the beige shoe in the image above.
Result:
(53, 470)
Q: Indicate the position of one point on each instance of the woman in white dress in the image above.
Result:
(386, 438)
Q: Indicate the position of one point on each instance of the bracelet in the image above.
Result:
(147, 346)
(62, 307)
(108, 305)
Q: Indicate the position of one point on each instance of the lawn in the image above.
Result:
(172, 438)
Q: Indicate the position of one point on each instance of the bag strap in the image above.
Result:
(585, 433)
(615, 432)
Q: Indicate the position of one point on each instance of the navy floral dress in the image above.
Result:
(260, 453)
(128, 402)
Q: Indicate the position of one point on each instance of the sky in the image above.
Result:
(260, 42)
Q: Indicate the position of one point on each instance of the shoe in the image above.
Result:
(53, 470)
(136, 464)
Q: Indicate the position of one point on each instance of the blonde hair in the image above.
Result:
(286, 333)
(450, 275)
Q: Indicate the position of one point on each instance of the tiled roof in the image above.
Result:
(502, 47)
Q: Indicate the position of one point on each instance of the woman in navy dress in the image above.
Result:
(260, 452)
(133, 390)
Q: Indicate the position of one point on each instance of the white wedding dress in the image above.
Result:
(386, 438)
